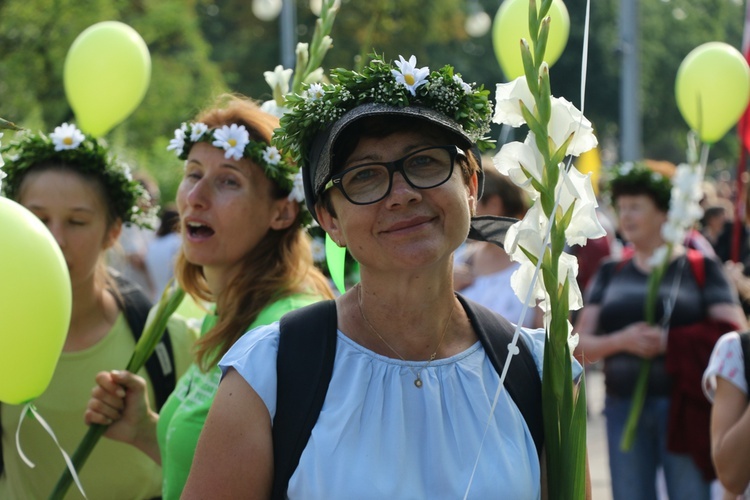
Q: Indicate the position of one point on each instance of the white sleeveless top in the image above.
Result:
(380, 437)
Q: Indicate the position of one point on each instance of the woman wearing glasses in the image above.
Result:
(408, 411)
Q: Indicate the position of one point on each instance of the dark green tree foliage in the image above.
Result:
(35, 37)
(202, 47)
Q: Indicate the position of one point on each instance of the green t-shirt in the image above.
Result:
(183, 415)
(114, 470)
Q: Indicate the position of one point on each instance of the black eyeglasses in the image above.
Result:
(371, 182)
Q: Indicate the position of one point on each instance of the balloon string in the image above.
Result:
(30, 408)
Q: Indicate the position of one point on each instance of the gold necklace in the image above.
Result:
(418, 379)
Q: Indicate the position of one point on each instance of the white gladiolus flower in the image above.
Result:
(673, 232)
(584, 224)
(527, 233)
(508, 99)
(566, 120)
(278, 79)
(515, 157)
(657, 258)
(315, 76)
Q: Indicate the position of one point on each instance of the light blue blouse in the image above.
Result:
(380, 437)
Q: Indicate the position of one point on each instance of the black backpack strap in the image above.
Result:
(160, 366)
(304, 366)
(522, 380)
(745, 343)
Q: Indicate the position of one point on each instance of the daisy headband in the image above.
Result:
(401, 84)
(638, 177)
(235, 141)
(70, 147)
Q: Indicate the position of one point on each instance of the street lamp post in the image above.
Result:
(288, 33)
(630, 82)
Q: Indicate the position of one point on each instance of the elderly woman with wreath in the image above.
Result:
(695, 305)
(386, 392)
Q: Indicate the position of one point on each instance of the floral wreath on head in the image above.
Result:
(638, 177)
(322, 104)
(85, 154)
(235, 141)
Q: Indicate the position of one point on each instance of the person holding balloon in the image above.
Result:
(695, 303)
(83, 195)
(244, 248)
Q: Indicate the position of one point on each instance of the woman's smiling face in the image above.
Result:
(410, 228)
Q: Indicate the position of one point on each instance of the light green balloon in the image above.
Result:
(35, 304)
(712, 89)
(512, 23)
(106, 75)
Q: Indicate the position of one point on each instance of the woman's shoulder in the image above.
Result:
(263, 337)
(253, 356)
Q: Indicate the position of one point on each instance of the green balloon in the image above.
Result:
(712, 89)
(106, 75)
(35, 304)
(512, 23)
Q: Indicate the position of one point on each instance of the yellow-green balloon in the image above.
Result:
(712, 89)
(107, 72)
(35, 304)
(512, 23)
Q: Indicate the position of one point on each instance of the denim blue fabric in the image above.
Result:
(633, 473)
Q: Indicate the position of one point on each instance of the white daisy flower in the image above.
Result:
(232, 139)
(409, 75)
(465, 86)
(271, 155)
(197, 131)
(314, 92)
(66, 136)
(298, 190)
(178, 143)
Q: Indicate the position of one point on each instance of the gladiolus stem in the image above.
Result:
(152, 333)
(636, 406)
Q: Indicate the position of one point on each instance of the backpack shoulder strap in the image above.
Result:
(304, 366)
(745, 343)
(522, 380)
(160, 366)
(698, 265)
